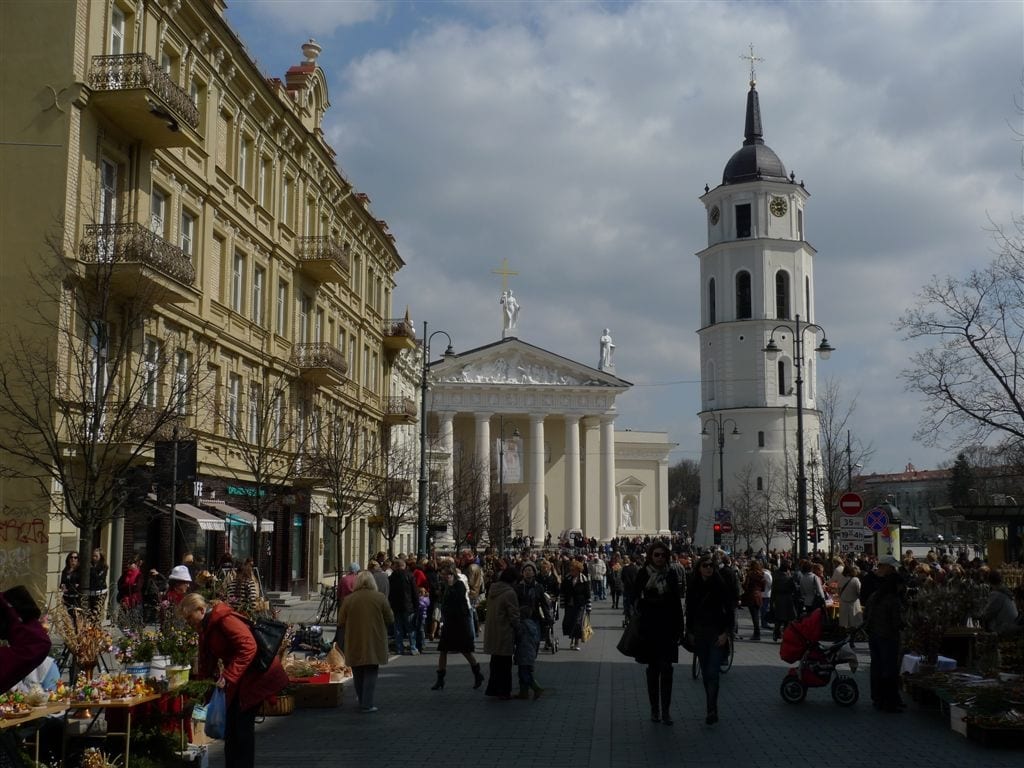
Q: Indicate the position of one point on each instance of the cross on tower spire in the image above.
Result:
(751, 58)
(505, 273)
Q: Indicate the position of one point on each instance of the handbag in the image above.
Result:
(268, 634)
(630, 642)
(216, 715)
(588, 631)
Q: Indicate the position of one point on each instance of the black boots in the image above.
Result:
(478, 676)
(666, 694)
(652, 693)
(440, 681)
(659, 693)
(711, 694)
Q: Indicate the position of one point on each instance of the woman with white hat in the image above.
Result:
(180, 582)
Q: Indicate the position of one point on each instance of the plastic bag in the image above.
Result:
(216, 714)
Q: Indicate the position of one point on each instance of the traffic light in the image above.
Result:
(815, 535)
(718, 533)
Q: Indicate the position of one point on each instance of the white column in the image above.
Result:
(572, 472)
(483, 451)
(662, 497)
(446, 442)
(608, 522)
(535, 477)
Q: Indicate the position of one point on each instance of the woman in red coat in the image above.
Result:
(225, 636)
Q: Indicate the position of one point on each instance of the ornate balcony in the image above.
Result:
(399, 334)
(323, 259)
(320, 363)
(398, 487)
(400, 410)
(311, 469)
(132, 261)
(140, 97)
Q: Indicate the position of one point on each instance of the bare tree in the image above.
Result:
(683, 494)
(971, 376)
(351, 476)
(91, 377)
(397, 506)
(461, 502)
(764, 510)
(837, 455)
(275, 439)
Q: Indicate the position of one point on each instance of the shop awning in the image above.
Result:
(206, 521)
(235, 516)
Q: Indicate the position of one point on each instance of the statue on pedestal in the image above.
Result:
(607, 351)
(510, 313)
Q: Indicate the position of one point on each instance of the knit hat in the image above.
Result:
(353, 567)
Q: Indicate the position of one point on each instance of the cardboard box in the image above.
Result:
(317, 695)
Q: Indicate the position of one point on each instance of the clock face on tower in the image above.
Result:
(714, 214)
(778, 206)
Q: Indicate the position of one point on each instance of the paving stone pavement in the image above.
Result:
(595, 713)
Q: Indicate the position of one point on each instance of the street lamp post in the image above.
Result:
(506, 524)
(824, 349)
(421, 517)
(719, 423)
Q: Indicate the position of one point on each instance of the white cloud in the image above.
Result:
(575, 138)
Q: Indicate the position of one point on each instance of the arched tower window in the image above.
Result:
(783, 383)
(743, 296)
(712, 307)
(782, 303)
(807, 299)
(709, 381)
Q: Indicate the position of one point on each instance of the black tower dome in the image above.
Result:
(755, 160)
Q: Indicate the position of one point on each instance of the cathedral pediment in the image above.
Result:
(514, 362)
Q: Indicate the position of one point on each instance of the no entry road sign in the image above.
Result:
(851, 503)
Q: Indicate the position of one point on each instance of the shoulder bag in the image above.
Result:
(268, 634)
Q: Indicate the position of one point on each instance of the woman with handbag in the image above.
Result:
(710, 621)
(575, 604)
(457, 632)
(659, 615)
(753, 595)
(851, 613)
(225, 636)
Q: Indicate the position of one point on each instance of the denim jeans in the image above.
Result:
(404, 628)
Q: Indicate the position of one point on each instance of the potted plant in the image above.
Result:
(135, 650)
(179, 642)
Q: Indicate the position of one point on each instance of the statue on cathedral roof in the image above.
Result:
(510, 312)
(607, 351)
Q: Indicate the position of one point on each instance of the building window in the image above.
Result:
(182, 366)
(807, 298)
(157, 211)
(188, 233)
(800, 224)
(282, 308)
(743, 301)
(238, 282)
(259, 275)
(233, 415)
(261, 182)
(277, 418)
(99, 353)
(255, 412)
(782, 294)
(116, 31)
(760, 439)
(150, 372)
(286, 201)
(743, 220)
(318, 327)
(712, 306)
(305, 307)
(243, 164)
(760, 483)
(781, 368)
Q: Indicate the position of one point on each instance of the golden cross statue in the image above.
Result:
(751, 58)
(505, 273)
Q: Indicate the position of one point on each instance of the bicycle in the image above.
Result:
(724, 665)
(328, 608)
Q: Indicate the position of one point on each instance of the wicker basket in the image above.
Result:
(285, 705)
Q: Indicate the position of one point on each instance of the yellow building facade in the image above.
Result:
(141, 141)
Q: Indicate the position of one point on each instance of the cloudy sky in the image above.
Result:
(574, 138)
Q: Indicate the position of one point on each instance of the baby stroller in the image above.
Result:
(816, 663)
(547, 630)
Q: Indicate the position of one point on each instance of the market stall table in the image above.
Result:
(123, 704)
(34, 715)
(912, 664)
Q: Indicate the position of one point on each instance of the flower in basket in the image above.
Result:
(177, 640)
(136, 646)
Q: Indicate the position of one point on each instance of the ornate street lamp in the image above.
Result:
(719, 424)
(421, 517)
(824, 349)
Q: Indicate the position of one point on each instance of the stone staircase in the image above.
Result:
(283, 599)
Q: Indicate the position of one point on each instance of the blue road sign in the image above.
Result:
(876, 520)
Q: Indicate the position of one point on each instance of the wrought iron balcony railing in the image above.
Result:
(134, 244)
(132, 71)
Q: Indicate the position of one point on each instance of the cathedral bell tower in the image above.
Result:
(756, 273)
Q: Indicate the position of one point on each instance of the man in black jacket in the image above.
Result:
(402, 598)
